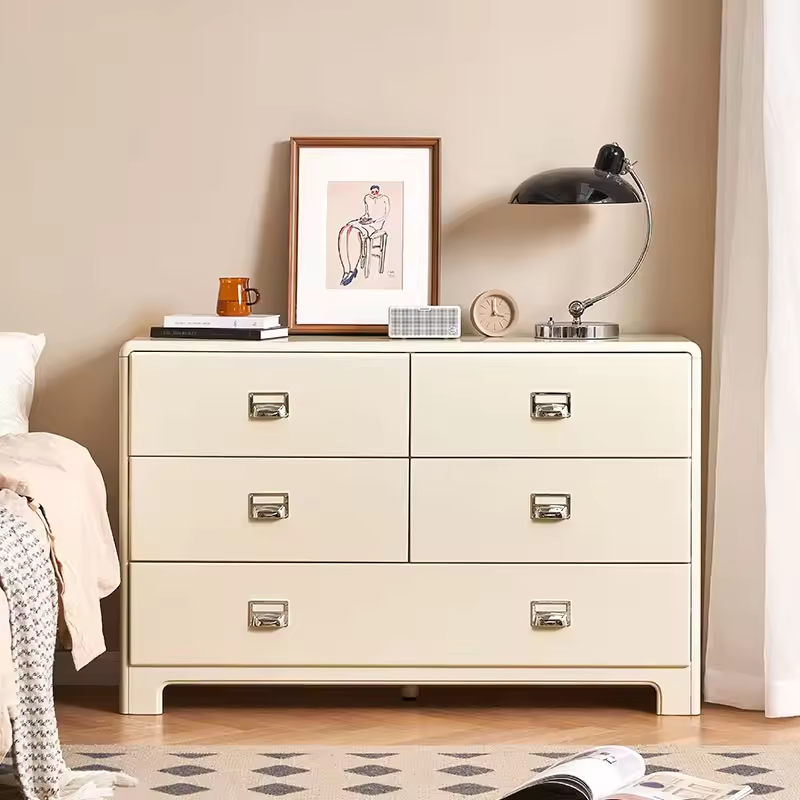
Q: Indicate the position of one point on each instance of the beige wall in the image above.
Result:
(143, 153)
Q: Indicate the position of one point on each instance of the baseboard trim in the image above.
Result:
(103, 671)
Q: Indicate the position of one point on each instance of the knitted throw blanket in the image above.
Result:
(28, 579)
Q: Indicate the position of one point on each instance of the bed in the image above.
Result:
(57, 561)
(54, 492)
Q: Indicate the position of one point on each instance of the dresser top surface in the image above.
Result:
(382, 344)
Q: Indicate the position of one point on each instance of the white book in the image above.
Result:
(618, 773)
(260, 321)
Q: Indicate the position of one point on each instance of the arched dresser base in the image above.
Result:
(142, 688)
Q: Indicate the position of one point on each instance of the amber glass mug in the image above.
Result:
(233, 299)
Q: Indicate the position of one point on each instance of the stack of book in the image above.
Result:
(255, 327)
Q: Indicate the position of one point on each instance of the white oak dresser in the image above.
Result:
(324, 510)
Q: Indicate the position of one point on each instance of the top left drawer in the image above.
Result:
(269, 404)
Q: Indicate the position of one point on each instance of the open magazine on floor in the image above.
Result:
(618, 773)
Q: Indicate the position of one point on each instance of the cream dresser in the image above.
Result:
(374, 511)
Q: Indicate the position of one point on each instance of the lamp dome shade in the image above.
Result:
(574, 186)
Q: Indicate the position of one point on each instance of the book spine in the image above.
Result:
(274, 333)
(246, 334)
(222, 322)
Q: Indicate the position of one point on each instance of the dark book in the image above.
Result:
(240, 334)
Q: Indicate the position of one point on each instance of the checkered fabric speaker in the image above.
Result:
(425, 322)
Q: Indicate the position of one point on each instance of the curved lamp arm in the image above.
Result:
(577, 307)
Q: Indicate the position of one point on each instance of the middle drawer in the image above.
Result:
(551, 510)
(307, 509)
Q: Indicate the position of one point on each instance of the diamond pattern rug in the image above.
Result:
(402, 773)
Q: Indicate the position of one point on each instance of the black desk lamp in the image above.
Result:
(582, 185)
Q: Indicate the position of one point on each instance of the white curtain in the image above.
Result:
(753, 632)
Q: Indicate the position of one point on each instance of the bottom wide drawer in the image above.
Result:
(409, 615)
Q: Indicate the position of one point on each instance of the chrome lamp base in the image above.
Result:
(576, 330)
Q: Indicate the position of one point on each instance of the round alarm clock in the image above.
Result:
(493, 313)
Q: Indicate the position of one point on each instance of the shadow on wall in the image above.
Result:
(686, 198)
(272, 255)
(506, 231)
(80, 402)
(680, 173)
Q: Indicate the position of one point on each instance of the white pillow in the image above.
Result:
(19, 353)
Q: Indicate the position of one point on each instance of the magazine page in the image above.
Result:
(677, 786)
(590, 775)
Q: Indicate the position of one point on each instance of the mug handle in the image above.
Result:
(257, 294)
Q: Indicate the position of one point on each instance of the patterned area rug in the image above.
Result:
(402, 773)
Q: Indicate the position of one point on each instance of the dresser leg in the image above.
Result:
(409, 692)
(675, 699)
(141, 693)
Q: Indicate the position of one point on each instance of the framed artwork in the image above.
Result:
(364, 231)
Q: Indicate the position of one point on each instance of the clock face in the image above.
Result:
(494, 313)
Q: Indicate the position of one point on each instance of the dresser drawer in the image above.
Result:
(336, 404)
(412, 614)
(617, 404)
(617, 510)
(308, 509)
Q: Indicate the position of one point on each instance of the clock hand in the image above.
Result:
(494, 306)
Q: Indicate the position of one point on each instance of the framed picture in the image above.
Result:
(364, 231)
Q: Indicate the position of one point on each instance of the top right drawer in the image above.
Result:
(551, 405)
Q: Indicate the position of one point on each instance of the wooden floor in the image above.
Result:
(377, 716)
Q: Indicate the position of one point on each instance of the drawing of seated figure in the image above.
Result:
(362, 238)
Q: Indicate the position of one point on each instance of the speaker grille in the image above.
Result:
(425, 322)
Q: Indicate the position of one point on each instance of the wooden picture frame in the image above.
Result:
(345, 270)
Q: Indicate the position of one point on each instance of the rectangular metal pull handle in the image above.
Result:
(553, 507)
(267, 614)
(551, 614)
(551, 405)
(268, 405)
(267, 507)
(550, 619)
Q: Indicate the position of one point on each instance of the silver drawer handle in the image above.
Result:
(268, 405)
(267, 507)
(555, 507)
(267, 614)
(551, 405)
(551, 613)
(550, 619)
